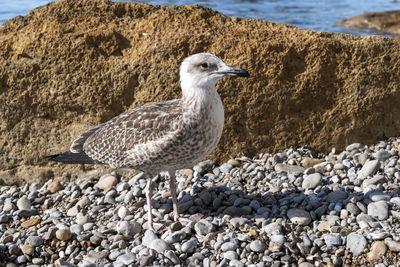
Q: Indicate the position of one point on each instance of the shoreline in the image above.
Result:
(336, 210)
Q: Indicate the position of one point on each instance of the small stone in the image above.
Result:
(354, 146)
(55, 186)
(225, 168)
(31, 222)
(369, 169)
(37, 261)
(228, 246)
(299, 216)
(378, 196)
(237, 212)
(325, 226)
(189, 246)
(312, 181)
(336, 196)
(231, 255)
(310, 162)
(377, 251)
(396, 201)
(276, 242)
(64, 234)
(128, 229)
(148, 238)
(34, 241)
(8, 205)
(83, 202)
(272, 228)
(176, 226)
(353, 209)
(339, 166)
(23, 203)
(288, 168)
(203, 227)
(234, 163)
(159, 245)
(123, 212)
(379, 235)
(106, 182)
(4, 218)
(332, 240)
(14, 249)
(81, 219)
(172, 257)
(379, 210)
(356, 243)
(258, 246)
(182, 207)
(382, 155)
(22, 259)
(27, 249)
(175, 237)
(126, 259)
(50, 233)
(364, 220)
(205, 196)
(393, 245)
(72, 212)
(146, 260)
(27, 213)
(236, 263)
(377, 179)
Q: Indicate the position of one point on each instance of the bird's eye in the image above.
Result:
(204, 65)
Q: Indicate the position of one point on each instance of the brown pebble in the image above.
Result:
(233, 162)
(146, 260)
(64, 234)
(377, 251)
(27, 249)
(31, 222)
(55, 186)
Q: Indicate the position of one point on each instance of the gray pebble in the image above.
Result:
(24, 203)
(34, 241)
(189, 246)
(356, 243)
(299, 216)
(332, 240)
(203, 227)
(312, 181)
(257, 246)
(231, 255)
(172, 257)
(228, 246)
(379, 210)
(369, 169)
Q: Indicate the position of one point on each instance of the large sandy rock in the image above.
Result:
(386, 21)
(70, 65)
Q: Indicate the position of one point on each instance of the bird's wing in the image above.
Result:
(138, 134)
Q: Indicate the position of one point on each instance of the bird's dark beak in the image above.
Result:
(234, 71)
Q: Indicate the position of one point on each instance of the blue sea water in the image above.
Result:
(320, 15)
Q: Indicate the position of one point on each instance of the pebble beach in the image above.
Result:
(292, 208)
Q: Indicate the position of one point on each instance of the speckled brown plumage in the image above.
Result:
(165, 136)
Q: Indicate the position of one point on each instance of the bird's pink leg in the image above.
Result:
(149, 194)
(172, 188)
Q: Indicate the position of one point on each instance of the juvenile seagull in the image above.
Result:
(166, 136)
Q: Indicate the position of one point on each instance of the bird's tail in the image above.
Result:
(73, 158)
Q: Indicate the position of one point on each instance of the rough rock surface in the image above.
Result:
(70, 65)
(386, 21)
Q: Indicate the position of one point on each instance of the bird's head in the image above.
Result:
(203, 70)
